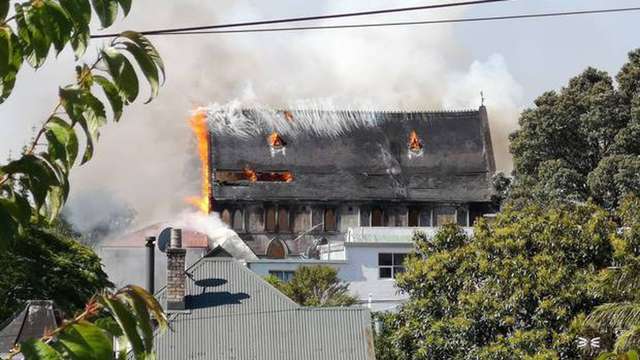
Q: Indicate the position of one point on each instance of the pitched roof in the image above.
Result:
(190, 238)
(355, 155)
(37, 317)
(234, 314)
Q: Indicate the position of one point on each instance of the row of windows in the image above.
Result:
(280, 219)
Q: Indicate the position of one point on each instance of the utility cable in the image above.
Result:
(308, 18)
(404, 23)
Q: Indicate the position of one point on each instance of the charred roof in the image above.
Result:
(353, 155)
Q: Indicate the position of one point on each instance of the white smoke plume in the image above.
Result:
(150, 158)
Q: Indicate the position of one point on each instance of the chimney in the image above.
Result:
(176, 275)
(151, 248)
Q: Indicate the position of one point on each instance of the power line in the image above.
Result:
(308, 18)
(404, 23)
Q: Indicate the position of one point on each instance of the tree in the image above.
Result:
(315, 286)
(34, 187)
(49, 263)
(581, 143)
(621, 284)
(518, 289)
(128, 314)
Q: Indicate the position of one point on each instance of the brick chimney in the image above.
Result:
(176, 275)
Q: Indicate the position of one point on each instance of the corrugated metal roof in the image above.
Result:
(234, 314)
(32, 322)
(390, 235)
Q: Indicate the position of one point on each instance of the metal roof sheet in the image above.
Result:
(234, 314)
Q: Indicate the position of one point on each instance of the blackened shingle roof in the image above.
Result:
(234, 314)
(367, 160)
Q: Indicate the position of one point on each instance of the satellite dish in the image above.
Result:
(164, 239)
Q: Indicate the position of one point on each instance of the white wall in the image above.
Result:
(361, 271)
(263, 266)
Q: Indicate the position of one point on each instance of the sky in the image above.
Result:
(147, 162)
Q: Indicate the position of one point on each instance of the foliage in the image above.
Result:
(34, 187)
(630, 355)
(127, 314)
(517, 291)
(581, 142)
(315, 286)
(48, 263)
(621, 284)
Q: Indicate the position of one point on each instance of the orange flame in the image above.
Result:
(275, 140)
(250, 174)
(415, 144)
(198, 124)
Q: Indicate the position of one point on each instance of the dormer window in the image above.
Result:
(415, 145)
(276, 144)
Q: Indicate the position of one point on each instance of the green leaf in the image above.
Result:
(144, 321)
(5, 50)
(80, 13)
(109, 325)
(85, 109)
(63, 142)
(112, 94)
(125, 5)
(36, 349)
(4, 9)
(107, 11)
(147, 66)
(127, 322)
(122, 72)
(8, 80)
(150, 301)
(35, 19)
(39, 175)
(59, 25)
(632, 355)
(87, 341)
(147, 46)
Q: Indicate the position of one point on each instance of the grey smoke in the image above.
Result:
(149, 159)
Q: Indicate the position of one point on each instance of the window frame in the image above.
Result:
(335, 219)
(393, 267)
(287, 275)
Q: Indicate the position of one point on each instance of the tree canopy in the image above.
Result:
(315, 286)
(581, 142)
(518, 290)
(49, 263)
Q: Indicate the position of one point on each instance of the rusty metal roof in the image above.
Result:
(232, 313)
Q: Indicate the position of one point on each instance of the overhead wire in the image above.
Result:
(401, 23)
(308, 18)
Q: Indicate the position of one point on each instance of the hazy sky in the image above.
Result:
(147, 160)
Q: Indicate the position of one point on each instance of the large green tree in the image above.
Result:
(581, 142)
(519, 289)
(49, 263)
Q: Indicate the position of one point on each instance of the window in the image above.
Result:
(445, 215)
(226, 216)
(376, 217)
(282, 275)
(283, 220)
(414, 216)
(270, 219)
(238, 220)
(330, 219)
(462, 215)
(276, 249)
(425, 217)
(390, 265)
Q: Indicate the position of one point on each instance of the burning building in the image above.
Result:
(287, 181)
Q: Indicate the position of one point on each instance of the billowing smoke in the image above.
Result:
(150, 160)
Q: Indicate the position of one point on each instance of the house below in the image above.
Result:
(38, 317)
(219, 309)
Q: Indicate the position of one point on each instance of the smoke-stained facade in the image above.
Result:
(289, 180)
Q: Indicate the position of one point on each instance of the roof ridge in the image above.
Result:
(361, 110)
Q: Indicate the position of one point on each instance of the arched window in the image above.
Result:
(226, 216)
(276, 249)
(283, 220)
(238, 220)
(270, 219)
(376, 217)
(330, 223)
(414, 216)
